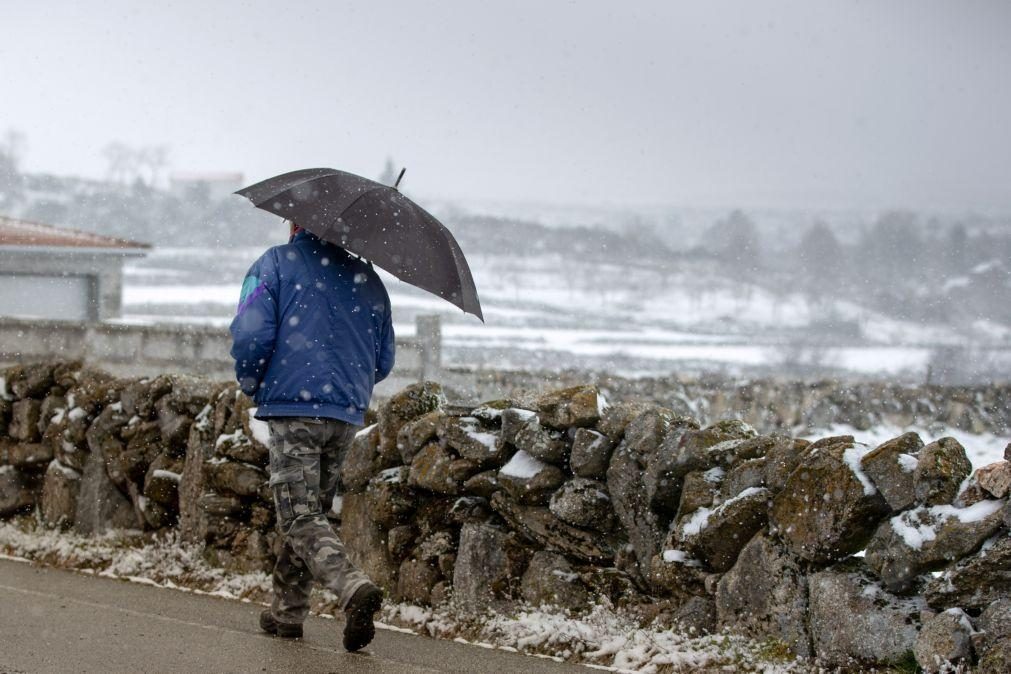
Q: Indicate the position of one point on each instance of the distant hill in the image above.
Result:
(926, 270)
(152, 215)
(509, 236)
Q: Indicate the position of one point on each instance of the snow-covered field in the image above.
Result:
(605, 638)
(546, 310)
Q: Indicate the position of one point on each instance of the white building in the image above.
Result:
(215, 186)
(50, 272)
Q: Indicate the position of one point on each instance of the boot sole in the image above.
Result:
(359, 628)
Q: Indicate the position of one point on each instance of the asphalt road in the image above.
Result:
(59, 621)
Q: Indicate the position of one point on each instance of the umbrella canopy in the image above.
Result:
(376, 222)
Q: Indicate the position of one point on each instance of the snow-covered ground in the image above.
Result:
(550, 310)
(604, 638)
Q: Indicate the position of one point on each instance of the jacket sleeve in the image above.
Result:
(387, 345)
(254, 328)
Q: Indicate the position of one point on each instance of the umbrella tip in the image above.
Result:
(396, 185)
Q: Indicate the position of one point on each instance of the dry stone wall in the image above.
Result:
(840, 552)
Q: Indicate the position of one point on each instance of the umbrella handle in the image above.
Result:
(396, 185)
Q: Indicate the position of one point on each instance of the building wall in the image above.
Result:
(102, 270)
(68, 297)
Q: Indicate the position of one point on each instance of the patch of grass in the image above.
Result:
(774, 650)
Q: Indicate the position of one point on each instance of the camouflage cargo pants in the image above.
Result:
(305, 456)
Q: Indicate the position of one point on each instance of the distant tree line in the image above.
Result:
(899, 264)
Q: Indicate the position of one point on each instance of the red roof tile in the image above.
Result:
(15, 232)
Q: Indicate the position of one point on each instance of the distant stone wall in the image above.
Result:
(770, 405)
(825, 548)
(140, 350)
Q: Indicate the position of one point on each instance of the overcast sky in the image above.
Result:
(757, 104)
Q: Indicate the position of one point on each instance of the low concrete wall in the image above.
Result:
(138, 350)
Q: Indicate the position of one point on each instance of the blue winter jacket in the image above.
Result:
(312, 333)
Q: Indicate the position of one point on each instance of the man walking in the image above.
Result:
(312, 335)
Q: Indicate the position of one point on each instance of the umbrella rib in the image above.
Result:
(442, 231)
(454, 246)
(452, 249)
(359, 198)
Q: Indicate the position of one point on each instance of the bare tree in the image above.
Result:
(154, 158)
(122, 162)
(14, 147)
(11, 181)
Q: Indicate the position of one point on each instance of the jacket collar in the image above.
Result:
(303, 234)
(306, 235)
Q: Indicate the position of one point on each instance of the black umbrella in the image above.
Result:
(376, 222)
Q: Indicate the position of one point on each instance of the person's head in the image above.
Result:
(293, 228)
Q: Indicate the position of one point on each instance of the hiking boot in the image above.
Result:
(284, 630)
(359, 629)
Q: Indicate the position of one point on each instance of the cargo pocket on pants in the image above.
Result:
(290, 493)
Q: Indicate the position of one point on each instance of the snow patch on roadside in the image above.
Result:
(603, 639)
(162, 560)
